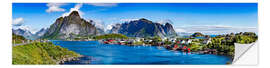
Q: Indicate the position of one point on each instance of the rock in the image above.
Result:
(144, 28)
(23, 32)
(70, 27)
(41, 32)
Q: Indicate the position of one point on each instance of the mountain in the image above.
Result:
(197, 34)
(71, 26)
(41, 32)
(144, 28)
(184, 34)
(23, 32)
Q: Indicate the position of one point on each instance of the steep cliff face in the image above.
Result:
(144, 28)
(71, 26)
(168, 29)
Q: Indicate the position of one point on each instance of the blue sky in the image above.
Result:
(208, 18)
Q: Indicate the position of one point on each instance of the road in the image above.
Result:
(21, 44)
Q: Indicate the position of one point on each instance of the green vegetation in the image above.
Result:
(18, 39)
(157, 39)
(55, 34)
(247, 37)
(167, 42)
(40, 53)
(111, 36)
(79, 37)
(196, 46)
(197, 34)
(225, 43)
(138, 43)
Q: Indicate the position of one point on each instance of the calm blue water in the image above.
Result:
(200, 37)
(205, 37)
(97, 53)
(213, 35)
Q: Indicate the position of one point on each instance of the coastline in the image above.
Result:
(62, 61)
(202, 52)
(74, 60)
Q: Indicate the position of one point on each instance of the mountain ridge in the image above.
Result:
(22, 32)
(144, 28)
(71, 26)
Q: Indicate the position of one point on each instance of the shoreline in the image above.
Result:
(202, 52)
(62, 61)
(194, 52)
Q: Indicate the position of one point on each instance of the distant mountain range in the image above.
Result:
(29, 35)
(184, 33)
(144, 28)
(71, 26)
(23, 32)
(41, 32)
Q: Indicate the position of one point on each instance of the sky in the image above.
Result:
(208, 18)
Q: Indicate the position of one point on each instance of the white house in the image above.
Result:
(148, 40)
(172, 39)
(138, 39)
(186, 41)
(182, 41)
(189, 41)
(207, 41)
(164, 39)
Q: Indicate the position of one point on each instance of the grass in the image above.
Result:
(40, 53)
(17, 39)
(111, 36)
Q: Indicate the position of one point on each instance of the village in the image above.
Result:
(189, 45)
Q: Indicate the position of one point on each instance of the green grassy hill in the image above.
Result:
(111, 36)
(17, 39)
(40, 53)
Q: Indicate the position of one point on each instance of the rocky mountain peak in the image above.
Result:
(74, 15)
(144, 28)
(142, 19)
(145, 20)
(41, 32)
(70, 27)
(168, 25)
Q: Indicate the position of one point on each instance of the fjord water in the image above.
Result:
(98, 53)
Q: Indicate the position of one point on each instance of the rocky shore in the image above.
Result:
(69, 59)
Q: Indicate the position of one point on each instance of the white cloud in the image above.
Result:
(98, 24)
(165, 21)
(54, 7)
(27, 28)
(128, 20)
(104, 4)
(109, 27)
(180, 30)
(24, 27)
(76, 8)
(17, 21)
(214, 29)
